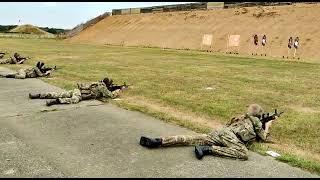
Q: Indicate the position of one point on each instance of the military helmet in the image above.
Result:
(255, 110)
(108, 82)
(16, 55)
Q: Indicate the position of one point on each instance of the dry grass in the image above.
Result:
(173, 112)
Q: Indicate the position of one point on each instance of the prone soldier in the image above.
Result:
(16, 59)
(32, 72)
(229, 141)
(2, 54)
(97, 90)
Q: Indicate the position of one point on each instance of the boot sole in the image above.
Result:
(144, 141)
(199, 153)
(34, 97)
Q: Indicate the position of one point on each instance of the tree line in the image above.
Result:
(7, 28)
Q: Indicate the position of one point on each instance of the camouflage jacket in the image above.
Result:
(11, 60)
(18, 57)
(15, 59)
(33, 72)
(95, 90)
(247, 128)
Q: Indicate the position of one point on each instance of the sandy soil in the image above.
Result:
(185, 29)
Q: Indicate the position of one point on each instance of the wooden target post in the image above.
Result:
(207, 41)
(233, 41)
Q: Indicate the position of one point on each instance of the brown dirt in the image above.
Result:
(185, 29)
(179, 114)
(300, 108)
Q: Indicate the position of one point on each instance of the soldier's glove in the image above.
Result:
(47, 74)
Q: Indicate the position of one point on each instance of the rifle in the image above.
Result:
(267, 117)
(115, 87)
(21, 61)
(45, 69)
(48, 71)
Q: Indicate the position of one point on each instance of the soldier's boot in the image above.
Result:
(150, 142)
(52, 102)
(41, 65)
(34, 96)
(10, 76)
(201, 151)
(38, 64)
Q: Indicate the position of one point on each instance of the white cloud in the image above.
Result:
(49, 3)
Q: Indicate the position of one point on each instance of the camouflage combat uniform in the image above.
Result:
(229, 141)
(9, 61)
(26, 73)
(96, 90)
(1, 55)
(13, 60)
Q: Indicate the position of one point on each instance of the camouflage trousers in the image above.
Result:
(5, 61)
(21, 74)
(224, 143)
(8, 61)
(66, 97)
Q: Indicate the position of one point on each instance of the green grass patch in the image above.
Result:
(300, 162)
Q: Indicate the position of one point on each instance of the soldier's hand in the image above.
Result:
(268, 125)
(47, 73)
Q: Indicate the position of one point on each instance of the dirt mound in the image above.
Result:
(185, 29)
(29, 29)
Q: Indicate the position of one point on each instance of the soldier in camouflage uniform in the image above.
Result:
(43, 68)
(32, 72)
(16, 59)
(8, 61)
(229, 141)
(96, 90)
(2, 55)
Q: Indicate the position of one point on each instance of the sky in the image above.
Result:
(64, 15)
